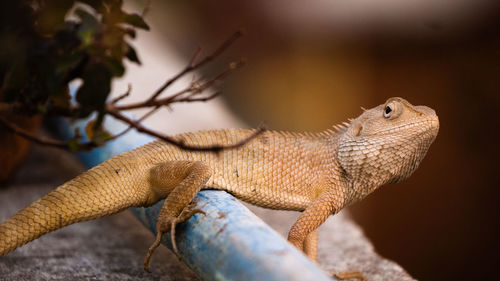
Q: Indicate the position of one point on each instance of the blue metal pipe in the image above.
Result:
(230, 243)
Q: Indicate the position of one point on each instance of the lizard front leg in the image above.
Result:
(313, 216)
(304, 233)
(311, 250)
(311, 245)
(179, 181)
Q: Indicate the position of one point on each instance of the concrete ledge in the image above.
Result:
(110, 248)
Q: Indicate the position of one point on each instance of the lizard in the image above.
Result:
(315, 173)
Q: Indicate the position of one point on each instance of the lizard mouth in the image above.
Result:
(419, 125)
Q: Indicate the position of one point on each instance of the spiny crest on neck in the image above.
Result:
(342, 127)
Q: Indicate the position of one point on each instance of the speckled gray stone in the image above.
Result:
(110, 248)
(342, 246)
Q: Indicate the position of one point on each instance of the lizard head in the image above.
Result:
(386, 144)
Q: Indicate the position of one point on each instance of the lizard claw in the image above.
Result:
(165, 225)
(186, 214)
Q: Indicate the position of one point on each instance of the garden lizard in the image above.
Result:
(316, 173)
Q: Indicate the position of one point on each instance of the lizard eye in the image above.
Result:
(393, 110)
(387, 111)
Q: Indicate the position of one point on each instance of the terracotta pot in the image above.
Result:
(13, 148)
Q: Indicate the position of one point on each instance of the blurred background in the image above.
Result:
(312, 64)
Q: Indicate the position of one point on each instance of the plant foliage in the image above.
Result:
(46, 44)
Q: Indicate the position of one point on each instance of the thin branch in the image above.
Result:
(149, 113)
(113, 109)
(180, 143)
(190, 67)
(195, 57)
(147, 8)
(42, 140)
(124, 95)
(202, 99)
(171, 99)
(130, 127)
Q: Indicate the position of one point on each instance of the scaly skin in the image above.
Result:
(318, 174)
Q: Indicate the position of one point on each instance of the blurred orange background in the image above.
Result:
(312, 64)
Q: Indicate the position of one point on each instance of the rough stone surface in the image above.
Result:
(342, 246)
(113, 248)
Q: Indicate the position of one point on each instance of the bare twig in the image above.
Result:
(130, 127)
(202, 99)
(195, 57)
(191, 89)
(180, 143)
(124, 95)
(114, 109)
(42, 140)
(192, 65)
(147, 8)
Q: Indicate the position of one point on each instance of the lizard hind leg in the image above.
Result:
(181, 180)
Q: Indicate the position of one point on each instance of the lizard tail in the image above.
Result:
(101, 191)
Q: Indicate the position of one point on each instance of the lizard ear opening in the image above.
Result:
(354, 129)
(358, 130)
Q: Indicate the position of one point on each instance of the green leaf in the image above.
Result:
(131, 54)
(135, 20)
(97, 135)
(14, 80)
(86, 17)
(41, 109)
(96, 87)
(50, 15)
(61, 98)
(89, 26)
(98, 5)
(114, 66)
(112, 40)
(68, 63)
(130, 32)
(101, 136)
(73, 145)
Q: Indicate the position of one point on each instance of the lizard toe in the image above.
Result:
(348, 275)
(151, 249)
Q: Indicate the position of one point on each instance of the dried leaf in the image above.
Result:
(89, 129)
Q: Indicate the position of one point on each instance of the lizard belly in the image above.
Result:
(267, 196)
